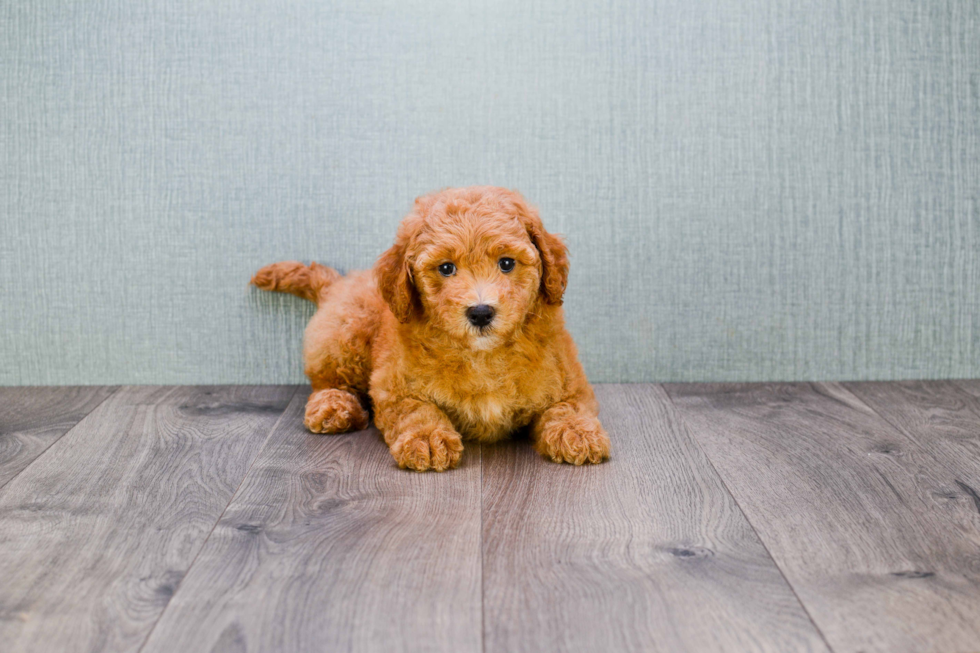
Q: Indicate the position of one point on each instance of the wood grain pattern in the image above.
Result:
(97, 534)
(867, 495)
(328, 546)
(32, 419)
(647, 552)
(866, 524)
(942, 417)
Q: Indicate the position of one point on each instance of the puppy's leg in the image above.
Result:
(419, 435)
(336, 356)
(570, 433)
(331, 410)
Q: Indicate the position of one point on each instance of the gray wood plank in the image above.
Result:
(969, 386)
(647, 552)
(32, 419)
(942, 417)
(857, 515)
(97, 533)
(328, 546)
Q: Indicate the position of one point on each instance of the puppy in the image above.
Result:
(457, 333)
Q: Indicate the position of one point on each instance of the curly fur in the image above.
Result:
(398, 336)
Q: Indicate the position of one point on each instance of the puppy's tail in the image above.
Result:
(309, 282)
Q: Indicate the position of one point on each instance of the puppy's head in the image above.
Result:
(472, 262)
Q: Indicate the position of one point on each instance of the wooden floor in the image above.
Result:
(797, 517)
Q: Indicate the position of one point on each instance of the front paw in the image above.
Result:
(334, 411)
(426, 448)
(574, 439)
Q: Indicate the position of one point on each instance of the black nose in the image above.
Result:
(480, 316)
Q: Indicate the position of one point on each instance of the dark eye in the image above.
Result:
(506, 264)
(447, 269)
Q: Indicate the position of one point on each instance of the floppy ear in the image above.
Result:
(554, 255)
(395, 282)
(554, 259)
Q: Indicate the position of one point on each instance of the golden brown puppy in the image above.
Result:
(457, 333)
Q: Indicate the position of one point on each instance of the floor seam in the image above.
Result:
(58, 439)
(914, 437)
(690, 432)
(968, 403)
(905, 434)
(234, 494)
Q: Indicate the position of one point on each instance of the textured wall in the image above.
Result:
(751, 189)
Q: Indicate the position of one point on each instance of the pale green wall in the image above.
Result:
(752, 189)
